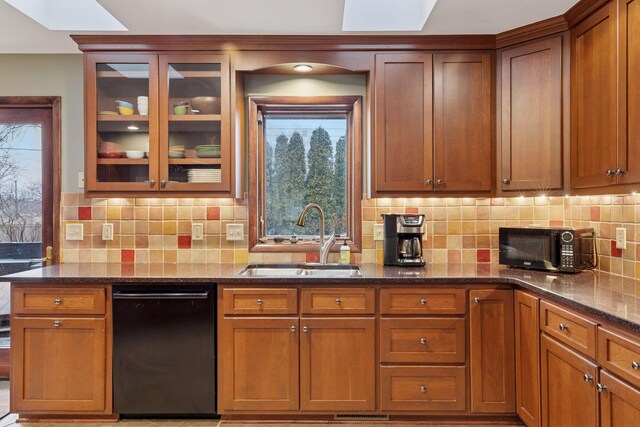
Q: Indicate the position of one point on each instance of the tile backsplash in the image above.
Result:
(458, 229)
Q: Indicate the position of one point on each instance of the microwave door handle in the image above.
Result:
(555, 241)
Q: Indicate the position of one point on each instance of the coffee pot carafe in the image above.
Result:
(403, 239)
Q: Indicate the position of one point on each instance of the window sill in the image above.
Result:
(298, 247)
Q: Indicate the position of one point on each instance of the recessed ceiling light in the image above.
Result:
(386, 15)
(69, 15)
(132, 127)
(303, 68)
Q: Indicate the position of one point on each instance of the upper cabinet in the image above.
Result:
(530, 147)
(432, 124)
(157, 124)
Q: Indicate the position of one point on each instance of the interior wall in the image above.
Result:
(52, 75)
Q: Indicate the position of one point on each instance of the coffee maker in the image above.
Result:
(403, 240)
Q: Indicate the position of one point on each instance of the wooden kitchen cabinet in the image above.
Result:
(337, 364)
(619, 402)
(260, 359)
(403, 123)
(492, 351)
(169, 140)
(527, 351)
(569, 392)
(462, 104)
(531, 139)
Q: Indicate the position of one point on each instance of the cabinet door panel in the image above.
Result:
(58, 364)
(619, 403)
(531, 139)
(629, 88)
(567, 399)
(527, 358)
(593, 100)
(462, 122)
(491, 348)
(259, 364)
(403, 149)
(337, 364)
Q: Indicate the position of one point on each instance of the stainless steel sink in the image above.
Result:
(288, 270)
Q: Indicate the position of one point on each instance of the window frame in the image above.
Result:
(352, 107)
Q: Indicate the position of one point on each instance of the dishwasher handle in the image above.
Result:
(161, 295)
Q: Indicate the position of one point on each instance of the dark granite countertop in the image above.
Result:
(611, 297)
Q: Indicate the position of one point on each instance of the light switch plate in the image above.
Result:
(378, 231)
(74, 232)
(197, 231)
(621, 238)
(107, 231)
(80, 179)
(235, 232)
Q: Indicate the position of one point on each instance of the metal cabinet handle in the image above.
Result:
(57, 323)
(423, 389)
(423, 341)
(259, 302)
(476, 300)
(506, 181)
(587, 378)
(620, 171)
(57, 301)
(163, 183)
(440, 181)
(610, 172)
(305, 329)
(635, 366)
(293, 328)
(152, 183)
(423, 301)
(563, 327)
(429, 181)
(338, 301)
(601, 388)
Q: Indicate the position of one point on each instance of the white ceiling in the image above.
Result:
(20, 34)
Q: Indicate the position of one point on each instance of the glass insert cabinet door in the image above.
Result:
(194, 123)
(122, 122)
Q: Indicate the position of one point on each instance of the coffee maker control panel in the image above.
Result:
(411, 221)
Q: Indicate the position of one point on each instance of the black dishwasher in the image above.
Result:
(164, 350)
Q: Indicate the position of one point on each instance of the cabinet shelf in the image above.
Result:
(196, 161)
(195, 117)
(119, 75)
(123, 161)
(114, 118)
(197, 74)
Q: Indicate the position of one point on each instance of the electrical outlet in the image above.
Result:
(80, 179)
(74, 232)
(378, 231)
(107, 231)
(621, 238)
(235, 232)
(197, 231)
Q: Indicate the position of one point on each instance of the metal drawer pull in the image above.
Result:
(601, 388)
(259, 302)
(423, 389)
(563, 327)
(423, 341)
(293, 328)
(57, 301)
(476, 300)
(635, 366)
(610, 172)
(587, 378)
(423, 301)
(57, 323)
(338, 301)
(305, 329)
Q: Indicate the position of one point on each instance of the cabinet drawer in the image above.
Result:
(620, 355)
(422, 340)
(422, 388)
(338, 301)
(260, 301)
(51, 300)
(423, 301)
(572, 329)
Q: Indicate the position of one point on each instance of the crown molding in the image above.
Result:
(526, 33)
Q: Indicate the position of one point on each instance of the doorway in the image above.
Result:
(29, 194)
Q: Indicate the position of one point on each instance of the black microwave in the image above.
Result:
(566, 250)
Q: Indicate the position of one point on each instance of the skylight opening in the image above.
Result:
(386, 15)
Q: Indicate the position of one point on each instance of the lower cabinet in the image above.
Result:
(58, 364)
(569, 386)
(619, 402)
(491, 351)
(527, 358)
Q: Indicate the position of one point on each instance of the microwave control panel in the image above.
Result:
(566, 251)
